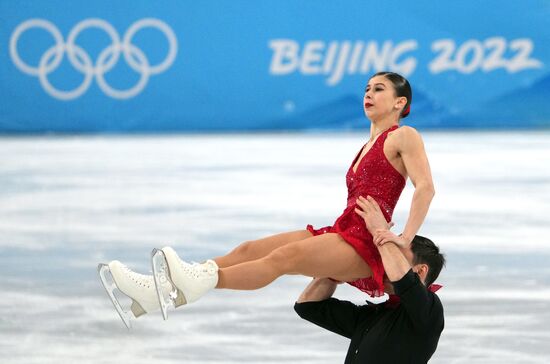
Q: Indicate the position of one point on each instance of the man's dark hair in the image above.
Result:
(426, 252)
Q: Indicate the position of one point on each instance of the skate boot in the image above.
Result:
(139, 287)
(190, 281)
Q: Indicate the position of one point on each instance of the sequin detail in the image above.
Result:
(374, 177)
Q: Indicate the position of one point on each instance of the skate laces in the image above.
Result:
(140, 279)
(198, 270)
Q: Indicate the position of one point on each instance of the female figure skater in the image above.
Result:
(344, 251)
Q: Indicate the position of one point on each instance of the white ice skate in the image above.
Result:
(190, 281)
(139, 287)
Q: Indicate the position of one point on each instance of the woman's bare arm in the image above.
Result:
(415, 160)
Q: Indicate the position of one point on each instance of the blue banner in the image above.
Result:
(161, 66)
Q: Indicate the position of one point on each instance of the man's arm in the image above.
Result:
(395, 263)
(316, 305)
(318, 290)
(423, 307)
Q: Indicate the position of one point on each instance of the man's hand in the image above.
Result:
(371, 213)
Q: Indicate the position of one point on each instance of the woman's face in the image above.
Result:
(380, 99)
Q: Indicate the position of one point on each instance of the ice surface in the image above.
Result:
(68, 203)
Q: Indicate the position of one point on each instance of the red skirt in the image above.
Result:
(360, 239)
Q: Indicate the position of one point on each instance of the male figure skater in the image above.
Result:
(406, 329)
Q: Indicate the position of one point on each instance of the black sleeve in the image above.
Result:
(332, 314)
(422, 306)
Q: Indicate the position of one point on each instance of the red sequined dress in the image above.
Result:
(375, 177)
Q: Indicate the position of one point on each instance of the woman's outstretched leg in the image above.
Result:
(326, 255)
(256, 249)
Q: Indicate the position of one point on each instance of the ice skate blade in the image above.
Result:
(109, 284)
(161, 275)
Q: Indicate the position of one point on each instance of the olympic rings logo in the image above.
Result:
(107, 59)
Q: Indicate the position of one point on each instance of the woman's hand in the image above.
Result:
(381, 237)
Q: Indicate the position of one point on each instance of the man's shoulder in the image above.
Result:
(436, 312)
(438, 305)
